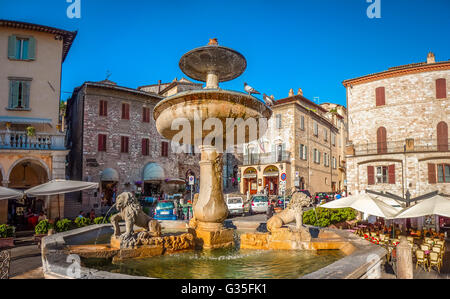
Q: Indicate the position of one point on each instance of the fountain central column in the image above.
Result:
(210, 209)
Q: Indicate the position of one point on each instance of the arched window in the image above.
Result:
(442, 136)
(381, 141)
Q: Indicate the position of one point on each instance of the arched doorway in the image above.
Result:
(23, 175)
(109, 181)
(250, 181)
(271, 178)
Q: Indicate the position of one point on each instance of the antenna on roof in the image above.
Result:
(317, 99)
(108, 74)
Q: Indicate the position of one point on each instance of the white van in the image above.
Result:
(235, 205)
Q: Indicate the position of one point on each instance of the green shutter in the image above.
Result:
(31, 48)
(12, 47)
(13, 93)
(26, 93)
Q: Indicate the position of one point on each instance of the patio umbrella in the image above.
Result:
(59, 187)
(6, 193)
(366, 204)
(436, 205)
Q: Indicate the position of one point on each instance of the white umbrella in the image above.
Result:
(436, 205)
(366, 204)
(59, 187)
(6, 193)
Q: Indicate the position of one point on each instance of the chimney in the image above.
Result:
(291, 92)
(300, 92)
(431, 58)
(159, 86)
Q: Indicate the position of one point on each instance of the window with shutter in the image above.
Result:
(316, 129)
(380, 95)
(278, 120)
(124, 144)
(165, 149)
(103, 108)
(146, 114)
(302, 122)
(19, 94)
(370, 175)
(431, 173)
(443, 173)
(145, 147)
(391, 174)
(125, 111)
(441, 88)
(442, 136)
(101, 142)
(21, 48)
(381, 141)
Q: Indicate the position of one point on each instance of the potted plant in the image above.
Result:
(82, 221)
(63, 225)
(31, 131)
(6, 235)
(41, 230)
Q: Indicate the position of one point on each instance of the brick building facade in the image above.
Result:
(113, 140)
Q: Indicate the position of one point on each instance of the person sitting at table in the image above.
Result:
(41, 216)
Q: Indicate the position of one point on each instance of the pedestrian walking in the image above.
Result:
(271, 209)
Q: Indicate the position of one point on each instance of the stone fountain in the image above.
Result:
(197, 109)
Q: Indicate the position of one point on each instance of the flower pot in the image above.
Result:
(6, 242)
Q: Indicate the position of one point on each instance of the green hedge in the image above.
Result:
(6, 231)
(326, 217)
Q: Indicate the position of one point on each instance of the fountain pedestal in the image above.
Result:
(210, 209)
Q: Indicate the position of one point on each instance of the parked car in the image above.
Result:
(281, 201)
(165, 210)
(321, 198)
(235, 205)
(260, 203)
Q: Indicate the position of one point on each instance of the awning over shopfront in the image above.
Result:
(60, 187)
(109, 175)
(153, 172)
(175, 181)
(6, 193)
(271, 171)
(25, 120)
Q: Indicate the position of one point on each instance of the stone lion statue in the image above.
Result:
(131, 212)
(293, 212)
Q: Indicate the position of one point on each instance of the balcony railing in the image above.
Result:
(41, 141)
(267, 158)
(390, 147)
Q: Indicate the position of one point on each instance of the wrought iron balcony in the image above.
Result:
(394, 147)
(40, 141)
(267, 158)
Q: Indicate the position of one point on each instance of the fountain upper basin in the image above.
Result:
(201, 105)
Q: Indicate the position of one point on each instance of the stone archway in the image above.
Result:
(271, 178)
(27, 173)
(250, 178)
(32, 160)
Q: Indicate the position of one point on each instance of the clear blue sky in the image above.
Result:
(314, 44)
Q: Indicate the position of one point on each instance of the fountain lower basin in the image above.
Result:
(349, 257)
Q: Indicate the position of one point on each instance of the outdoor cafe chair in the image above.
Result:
(373, 234)
(421, 259)
(438, 250)
(424, 247)
(435, 260)
(410, 239)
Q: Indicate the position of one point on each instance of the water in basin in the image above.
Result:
(232, 263)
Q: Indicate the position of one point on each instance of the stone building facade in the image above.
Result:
(113, 140)
(398, 129)
(303, 146)
(32, 148)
